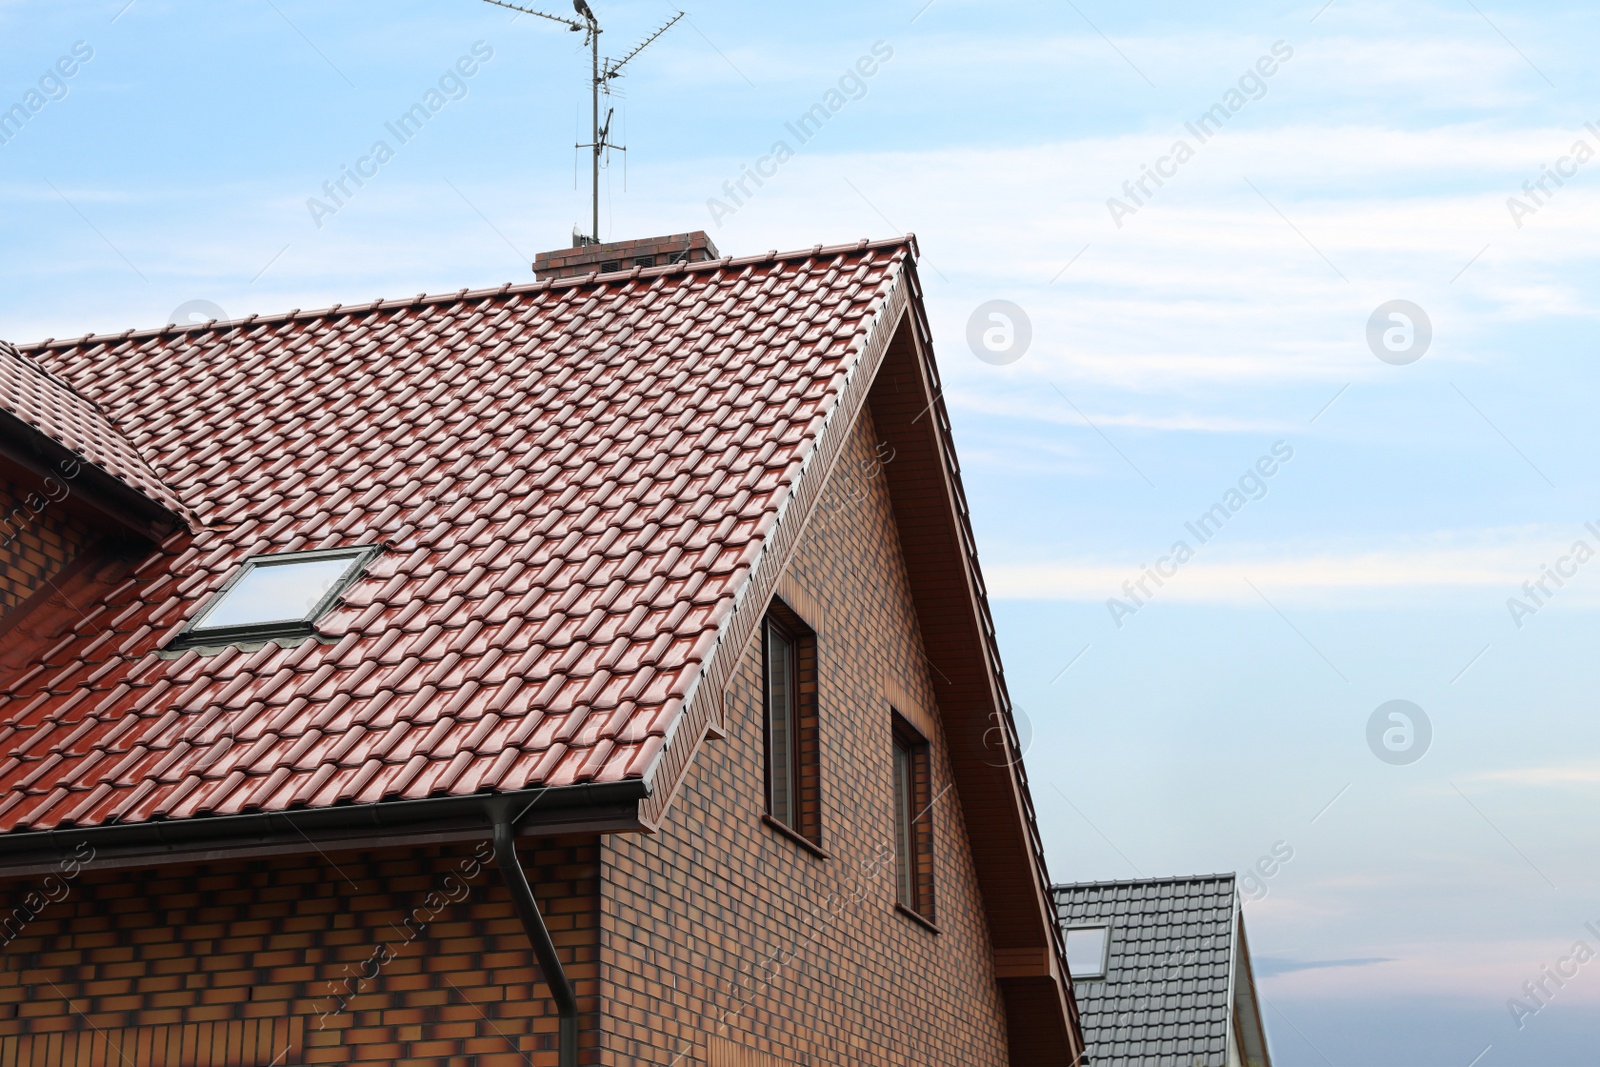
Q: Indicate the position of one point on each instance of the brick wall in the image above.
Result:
(720, 932)
(36, 543)
(213, 965)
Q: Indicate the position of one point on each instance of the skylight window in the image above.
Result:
(275, 596)
(1086, 951)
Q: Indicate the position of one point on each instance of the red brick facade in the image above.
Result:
(722, 926)
(403, 956)
(39, 537)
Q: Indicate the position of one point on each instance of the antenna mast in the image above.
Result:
(600, 77)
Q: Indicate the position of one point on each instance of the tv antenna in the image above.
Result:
(602, 73)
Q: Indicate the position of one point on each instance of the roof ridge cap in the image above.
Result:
(45, 372)
(819, 251)
(6, 348)
(148, 469)
(1173, 878)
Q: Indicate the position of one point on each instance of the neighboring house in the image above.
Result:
(324, 636)
(1161, 970)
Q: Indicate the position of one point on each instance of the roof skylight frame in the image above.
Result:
(195, 634)
(1105, 951)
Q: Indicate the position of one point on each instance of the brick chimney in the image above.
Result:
(584, 258)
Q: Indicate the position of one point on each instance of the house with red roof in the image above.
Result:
(593, 670)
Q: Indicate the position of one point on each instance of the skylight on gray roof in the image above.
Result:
(1086, 951)
(1165, 999)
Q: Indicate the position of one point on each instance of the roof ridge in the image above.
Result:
(85, 446)
(45, 372)
(907, 241)
(40, 369)
(1170, 879)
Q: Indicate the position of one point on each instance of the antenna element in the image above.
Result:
(601, 75)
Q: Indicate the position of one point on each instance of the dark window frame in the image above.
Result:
(801, 772)
(195, 635)
(911, 797)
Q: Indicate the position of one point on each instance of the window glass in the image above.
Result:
(781, 746)
(276, 592)
(904, 799)
(1086, 951)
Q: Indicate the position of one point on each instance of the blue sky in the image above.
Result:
(1228, 313)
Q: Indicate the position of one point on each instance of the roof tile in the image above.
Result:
(568, 480)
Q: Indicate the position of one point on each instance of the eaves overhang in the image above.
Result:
(61, 437)
(590, 808)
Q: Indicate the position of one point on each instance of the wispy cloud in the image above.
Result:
(1321, 573)
(1556, 776)
(1028, 404)
(1271, 966)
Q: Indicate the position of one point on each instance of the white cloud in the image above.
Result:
(1207, 284)
(1325, 573)
(1047, 406)
(1555, 777)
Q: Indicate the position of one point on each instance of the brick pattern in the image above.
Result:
(721, 1052)
(442, 970)
(228, 1043)
(719, 927)
(624, 255)
(35, 546)
(808, 730)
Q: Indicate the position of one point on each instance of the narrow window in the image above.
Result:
(913, 821)
(904, 819)
(789, 685)
(783, 771)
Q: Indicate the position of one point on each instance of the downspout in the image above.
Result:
(555, 976)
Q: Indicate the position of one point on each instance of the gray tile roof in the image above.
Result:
(1164, 999)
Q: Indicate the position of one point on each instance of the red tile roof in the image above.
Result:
(45, 403)
(571, 481)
